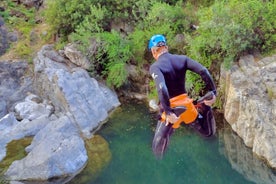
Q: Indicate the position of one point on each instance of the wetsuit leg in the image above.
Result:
(161, 139)
(206, 124)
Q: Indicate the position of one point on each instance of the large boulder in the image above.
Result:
(250, 104)
(68, 107)
(57, 152)
(73, 90)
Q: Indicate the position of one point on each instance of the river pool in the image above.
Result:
(190, 159)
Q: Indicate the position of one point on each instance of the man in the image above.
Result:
(169, 72)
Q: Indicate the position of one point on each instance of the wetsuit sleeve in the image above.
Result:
(203, 72)
(207, 78)
(162, 89)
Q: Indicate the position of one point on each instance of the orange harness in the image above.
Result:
(187, 116)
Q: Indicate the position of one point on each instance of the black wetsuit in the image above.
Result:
(169, 73)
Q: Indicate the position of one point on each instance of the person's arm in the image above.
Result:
(206, 77)
(161, 88)
(163, 94)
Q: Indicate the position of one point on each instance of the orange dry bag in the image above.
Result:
(188, 116)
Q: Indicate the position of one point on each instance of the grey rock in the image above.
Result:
(250, 104)
(58, 154)
(68, 107)
(15, 83)
(31, 110)
(76, 57)
(75, 92)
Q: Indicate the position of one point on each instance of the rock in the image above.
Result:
(99, 156)
(31, 110)
(1, 19)
(4, 45)
(7, 122)
(3, 108)
(52, 55)
(18, 130)
(5, 37)
(15, 83)
(67, 108)
(57, 151)
(12, 36)
(31, 3)
(74, 91)
(137, 87)
(251, 102)
(76, 57)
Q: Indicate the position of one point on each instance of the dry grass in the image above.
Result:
(27, 46)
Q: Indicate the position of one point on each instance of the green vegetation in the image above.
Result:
(230, 28)
(23, 21)
(113, 33)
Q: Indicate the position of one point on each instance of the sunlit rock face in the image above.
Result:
(250, 103)
(72, 90)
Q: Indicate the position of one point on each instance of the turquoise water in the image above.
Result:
(189, 158)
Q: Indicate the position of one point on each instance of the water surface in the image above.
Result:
(190, 158)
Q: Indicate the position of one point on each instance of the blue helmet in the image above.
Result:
(157, 41)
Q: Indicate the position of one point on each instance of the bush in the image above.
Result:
(162, 18)
(230, 28)
(91, 24)
(113, 53)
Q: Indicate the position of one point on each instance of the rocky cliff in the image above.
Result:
(60, 107)
(250, 104)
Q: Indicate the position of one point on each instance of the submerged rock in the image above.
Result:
(99, 157)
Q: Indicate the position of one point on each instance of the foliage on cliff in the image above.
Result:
(209, 31)
(227, 29)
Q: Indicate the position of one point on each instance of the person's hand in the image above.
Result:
(210, 102)
(171, 118)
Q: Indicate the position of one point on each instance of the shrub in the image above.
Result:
(230, 28)
(65, 16)
(162, 18)
(113, 54)
(91, 24)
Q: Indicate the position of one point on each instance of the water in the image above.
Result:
(120, 153)
(224, 159)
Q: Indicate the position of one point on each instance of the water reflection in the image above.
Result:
(242, 159)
